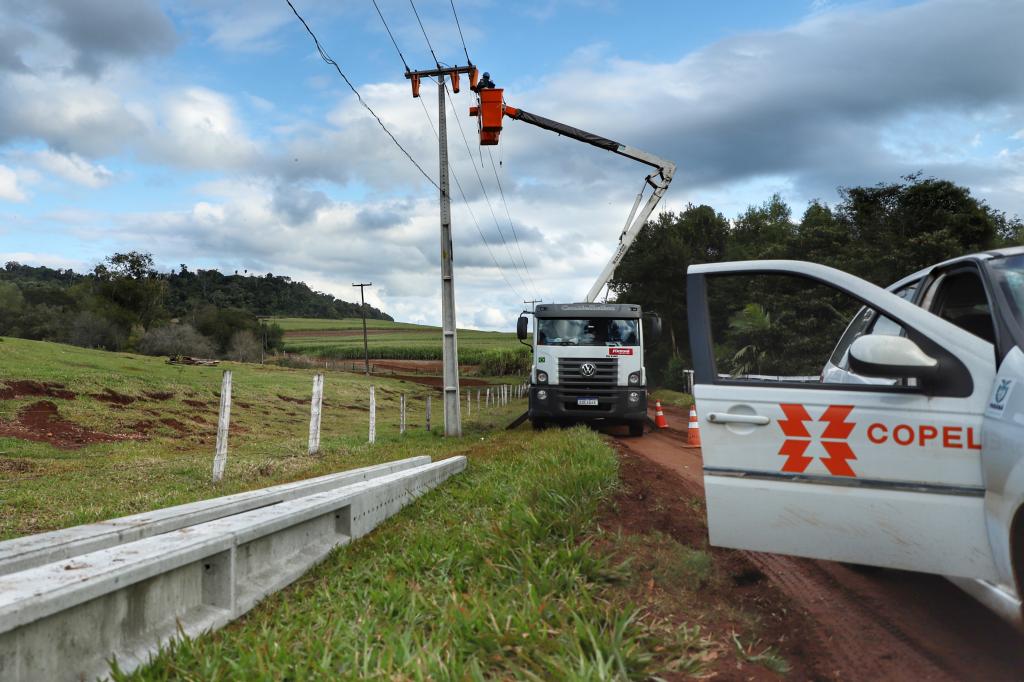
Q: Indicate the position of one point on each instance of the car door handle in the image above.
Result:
(729, 418)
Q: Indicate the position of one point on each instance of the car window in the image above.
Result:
(783, 328)
(960, 298)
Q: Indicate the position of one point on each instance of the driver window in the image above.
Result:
(786, 328)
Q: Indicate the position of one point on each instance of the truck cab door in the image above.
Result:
(886, 474)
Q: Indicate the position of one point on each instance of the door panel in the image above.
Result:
(875, 474)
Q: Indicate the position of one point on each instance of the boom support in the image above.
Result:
(490, 113)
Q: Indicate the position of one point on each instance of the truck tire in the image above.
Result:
(636, 429)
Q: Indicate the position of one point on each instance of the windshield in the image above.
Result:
(600, 331)
(1009, 278)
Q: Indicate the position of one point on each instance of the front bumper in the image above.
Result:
(612, 403)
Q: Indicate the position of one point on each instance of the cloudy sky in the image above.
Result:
(208, 132)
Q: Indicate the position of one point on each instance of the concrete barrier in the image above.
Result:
(43, 548)
(66, 620)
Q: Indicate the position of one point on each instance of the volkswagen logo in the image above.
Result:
(588, 369)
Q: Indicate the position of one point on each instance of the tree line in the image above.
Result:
(879, 233)
(124, 303)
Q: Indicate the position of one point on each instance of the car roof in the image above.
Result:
(969, 258)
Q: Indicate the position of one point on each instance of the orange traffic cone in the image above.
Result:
(659, 416)
(693, 431)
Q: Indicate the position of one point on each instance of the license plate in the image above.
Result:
(586, 402)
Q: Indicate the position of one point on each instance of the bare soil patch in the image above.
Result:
(16, 466)
(195, 403)
(175, 424)
(27, 388)
(111, 396)
(159, 395)
(41, 421)
(654, 505)
(289, 399)
(436, 382)
(862, 623)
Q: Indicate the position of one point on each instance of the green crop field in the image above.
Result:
(87, 435)
(343, 340)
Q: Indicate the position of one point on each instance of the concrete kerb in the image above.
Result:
(65, 620)
(36, 550)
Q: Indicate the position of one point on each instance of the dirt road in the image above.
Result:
(871, 623)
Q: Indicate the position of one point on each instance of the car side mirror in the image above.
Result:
(652, 331)
(523, 327)
(879, 355)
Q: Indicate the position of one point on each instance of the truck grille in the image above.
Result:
(570, 374)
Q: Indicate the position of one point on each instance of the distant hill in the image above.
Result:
(125, 299)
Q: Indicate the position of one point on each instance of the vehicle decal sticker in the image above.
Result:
(833, 439)
(1000, 398)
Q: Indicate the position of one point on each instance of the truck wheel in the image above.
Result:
(636, 429)
(539, 424)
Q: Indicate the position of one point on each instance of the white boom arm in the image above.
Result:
(659, 181)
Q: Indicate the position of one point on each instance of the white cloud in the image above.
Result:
(9, 186)
(74, 168)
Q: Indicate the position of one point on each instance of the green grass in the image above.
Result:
(43, 487)
(387, 340)
(673, 398)
(493, 575)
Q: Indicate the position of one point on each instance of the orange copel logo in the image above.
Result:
(833, 439)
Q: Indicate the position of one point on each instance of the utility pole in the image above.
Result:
(532, 304)
(452, 405)
(366, 345)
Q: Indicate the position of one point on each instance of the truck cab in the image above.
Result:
(588, 364)
(906, 451)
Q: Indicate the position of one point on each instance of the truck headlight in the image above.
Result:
(634, 379)
(634, 396)
(542, 377)
(542, 394)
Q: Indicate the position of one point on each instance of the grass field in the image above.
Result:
(156, 429)
(509, 570)
(343, 340)
(492, 576)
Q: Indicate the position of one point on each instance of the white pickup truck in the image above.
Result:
(917, 465)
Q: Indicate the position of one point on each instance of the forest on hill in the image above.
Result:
(124, 303)
(880, 233)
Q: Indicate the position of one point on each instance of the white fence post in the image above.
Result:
(315, 409)
(469, 403)
(220, 459)
(478, 392)
(428, 413)
(401, 415)
(373, 416)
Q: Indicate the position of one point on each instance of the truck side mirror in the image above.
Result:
(652, 332)
(522, 327)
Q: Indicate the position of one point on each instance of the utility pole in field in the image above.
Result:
(366, 345)
(533, 303)
(452, 405)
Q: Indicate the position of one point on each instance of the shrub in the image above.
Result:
(245, 347)
(90, 330)
(175, 339)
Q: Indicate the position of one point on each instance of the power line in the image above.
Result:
(483, 189)
(413, 5)
(469, 208)
(327, 58)
(511, 223)
(456, 14)
(393, 41)
(451, 169)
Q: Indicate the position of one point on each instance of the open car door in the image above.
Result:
(883, 474)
